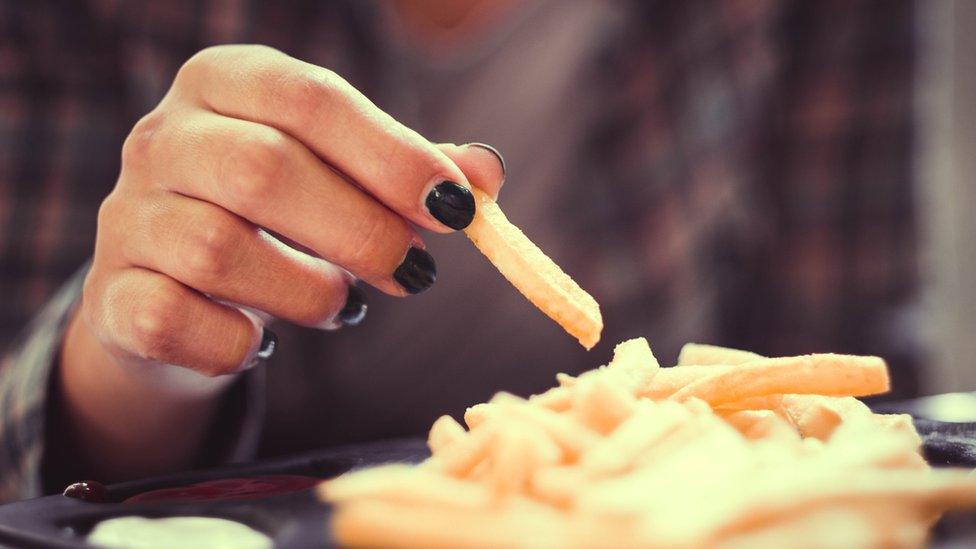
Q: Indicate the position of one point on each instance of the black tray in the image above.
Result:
(298, 520)
(291, 520)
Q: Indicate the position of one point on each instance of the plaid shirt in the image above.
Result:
(748, 182)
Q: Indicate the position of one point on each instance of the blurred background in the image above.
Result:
(946, 186)
(787, 177)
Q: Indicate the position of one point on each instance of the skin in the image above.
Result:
(247, 143)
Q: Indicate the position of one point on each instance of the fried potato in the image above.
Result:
(699, 354)
(532, 272)
(558, 399)
(731, 450)
(824, 374)
(460, 457)
(444, 432)
(602, 405)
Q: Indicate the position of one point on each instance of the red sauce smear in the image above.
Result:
(229, 489)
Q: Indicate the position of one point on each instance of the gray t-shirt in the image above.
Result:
(471, 334)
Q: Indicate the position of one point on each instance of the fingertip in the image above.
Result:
(496, 156)
(482, 164)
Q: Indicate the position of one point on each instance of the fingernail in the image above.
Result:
(451, 204)
(354, 311)
(269, 343)
(492, 150)
(417, 272)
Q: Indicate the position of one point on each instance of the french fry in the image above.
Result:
(560, 486)
(572, 437)
(731, 450)
(478, 414)
(460, 457)
(671, 380)
(444, 432)
(824, 374)
(620, 450)
(762, 425)
(699, 354)
(602, 405)
(532, 272)
(519, 451)
(565, 380)
(558, 399)
(635, 364)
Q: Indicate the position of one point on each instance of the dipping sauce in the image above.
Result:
(183, 532)
(229, 489)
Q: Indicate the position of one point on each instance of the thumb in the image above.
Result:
(482, 164)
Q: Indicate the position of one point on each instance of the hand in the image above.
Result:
(260, 186)
(249, 149)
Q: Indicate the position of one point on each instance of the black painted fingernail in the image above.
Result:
(354, 311)
(417, 272)
(492, 150)
(451, 204)
(269, 343)
(87, 490)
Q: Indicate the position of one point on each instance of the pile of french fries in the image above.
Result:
(727, 449)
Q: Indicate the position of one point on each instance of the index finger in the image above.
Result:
(339, 124)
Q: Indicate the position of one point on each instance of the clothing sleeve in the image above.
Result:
(26, 443)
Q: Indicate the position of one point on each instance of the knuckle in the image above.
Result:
(319, 309)
(208, 249)
(108, 211)
(201, 65)
(256, 167)
(205, 60)
(138, 144)
(370, 235)
(311, 94)
(154, 322)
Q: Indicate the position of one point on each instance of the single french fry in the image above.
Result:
(762, 425)
(634, 362)
(773, 403)
(532, 272)
(817, 416)
(558, 399)
(668, 381)
(565, 380)
(824, 374)
(478, 414)
(459, 458)
(602, 405)
(699, 354)
(444, 432)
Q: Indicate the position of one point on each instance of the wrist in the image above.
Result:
(122, 420)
